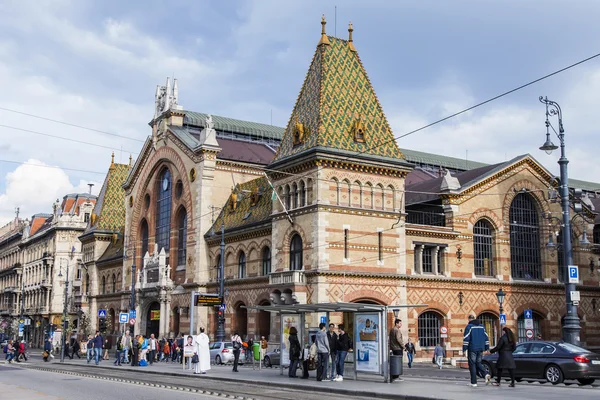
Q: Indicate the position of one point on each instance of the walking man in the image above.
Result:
(439, 354)
(344, 344)
(396, 343)
(323, 351)
(410, 352)
(126, 343)
(152, 345)
(476, 341)
(90, 348)
(203, 350)
(98, 343)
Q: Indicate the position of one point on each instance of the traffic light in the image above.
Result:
(102, 325)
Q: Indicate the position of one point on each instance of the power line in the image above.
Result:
(64, 138)
(71, 124)
(52, 166)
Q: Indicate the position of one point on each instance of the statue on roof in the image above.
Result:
(298, 132)
(209, 122)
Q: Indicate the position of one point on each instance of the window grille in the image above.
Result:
(242, 265)
(521, 327)
(182, 239)
(524, 239)
(427, 265)
(483, 248)
(490, 323)
(429, 329)
(163, 211)
(296, 253)
(266, 261)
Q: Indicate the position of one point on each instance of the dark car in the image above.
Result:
(552, 361)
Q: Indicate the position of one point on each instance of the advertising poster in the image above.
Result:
(287, 321)
(367, 342)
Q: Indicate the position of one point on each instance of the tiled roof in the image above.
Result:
(335, 95)
(113, 252)
(245, 214)
(110, 207)
(233, 125)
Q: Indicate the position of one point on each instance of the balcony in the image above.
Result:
(430, 218)
(12, 289)
(77, 283)
(80, 299)
(287, 278)
(46, 283)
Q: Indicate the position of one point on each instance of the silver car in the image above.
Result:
(222, 353)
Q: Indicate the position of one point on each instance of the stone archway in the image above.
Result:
(153, 319)
(264, 321)
(241, 320)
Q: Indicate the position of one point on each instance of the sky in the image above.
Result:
(96, 64)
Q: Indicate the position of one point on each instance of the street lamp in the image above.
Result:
(500, 295)
(65, 323)
(133, 271)
(571, 327)
(221, 315)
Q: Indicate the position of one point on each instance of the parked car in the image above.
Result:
(222, 353)
(272, 358)
(552, 361)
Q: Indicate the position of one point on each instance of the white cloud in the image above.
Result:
(33, 187)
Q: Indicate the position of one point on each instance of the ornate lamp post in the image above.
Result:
(500, 296)
(221, 315)
(65, 322)
(571, 327)
(126, 253)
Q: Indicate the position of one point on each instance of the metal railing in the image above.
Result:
(430, 218)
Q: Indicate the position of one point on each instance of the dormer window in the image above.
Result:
(86, 217)
(358, 130)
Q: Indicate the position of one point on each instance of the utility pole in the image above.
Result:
(221, 315)
(65, 322)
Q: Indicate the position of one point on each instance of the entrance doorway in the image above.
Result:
(153, 319)
(264, 322)
(241, 320)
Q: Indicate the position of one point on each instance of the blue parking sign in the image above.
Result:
(573, 274)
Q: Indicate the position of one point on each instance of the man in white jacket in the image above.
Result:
(203, 350)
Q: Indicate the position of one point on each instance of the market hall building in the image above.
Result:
(330, 209)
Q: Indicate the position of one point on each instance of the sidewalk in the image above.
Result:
(366, 385)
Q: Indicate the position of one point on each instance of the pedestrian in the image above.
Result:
(264, 346)
(47, 349)
(505, 348)
(135, 351)
(236, 342)
(295, 350)
(126, 343)
(203, 351)
(98, 344)
(118, 351)
(144, 349)
(152, 347)
(10, 351)
(323, 351)
(174, 351)
(439, 353)
(344, 345)
(76, 348)
(333, 338)
(476, 341)
(310, 360)
(396, 343)
(166, 351)
(410, 352)
(90, 348)
(106, 347)
(249, 352)
(22, 352)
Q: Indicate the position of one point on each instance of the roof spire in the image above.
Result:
(112, 159)
(324, 39)
(350, 30)
(130, 160)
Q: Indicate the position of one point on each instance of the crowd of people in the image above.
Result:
(15, 351)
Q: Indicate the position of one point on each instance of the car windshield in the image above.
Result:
(571, 348)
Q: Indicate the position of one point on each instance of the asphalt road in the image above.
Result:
(25, 384)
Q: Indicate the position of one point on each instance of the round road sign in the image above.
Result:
(131, 321)
(443, 330)
(529, 334)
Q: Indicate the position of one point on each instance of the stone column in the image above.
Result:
(163, 316)
(419, 258)
(434, 261)
(168, 315)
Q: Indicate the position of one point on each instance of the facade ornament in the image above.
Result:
(298, 132)
(324, 40)
(234, 197)
(449, 183)
(350, 41)
(166, 98)
(358, 130)
(208, 136)
(209, 122)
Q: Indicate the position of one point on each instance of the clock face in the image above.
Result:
(165, 184)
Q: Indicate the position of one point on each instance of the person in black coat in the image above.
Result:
(505, 348)
(295, 352)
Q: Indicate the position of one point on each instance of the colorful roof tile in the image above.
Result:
(253, 205)
(109, 212)
(336, 96)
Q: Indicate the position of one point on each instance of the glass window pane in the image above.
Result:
(524, 239)
(163, 211)
(482, 247)
(429, 329)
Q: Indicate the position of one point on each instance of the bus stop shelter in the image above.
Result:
(369, 336)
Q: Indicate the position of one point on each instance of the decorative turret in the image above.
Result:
(324, 40)
(350, 44)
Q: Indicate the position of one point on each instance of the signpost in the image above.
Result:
(529, 333)
(132, 314)
(573, 274)
(205, 299)
(443, 332)
(502, 319)
(123, 318)
(528, 314)
(131, 321)
(575, 297)
(101, 313)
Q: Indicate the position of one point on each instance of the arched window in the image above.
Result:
(296, 253)
(392, 196)
(242, 265)
(483, 248)
(429, 328)
(87, 283)
(266, 261)
(522, 330)
(181, 239)
(491, 324)
(596, 234)
(144, 235)
(336, 189)
(524, 239)
(288, 197)
(294, 195)
(163, 211)
(103, 291)
(114, 283)
(302, 192)
(309, 189)
(348, 191)
(358, 190)
(381, 192)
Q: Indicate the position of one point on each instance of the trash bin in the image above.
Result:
(256, 351)
(395, 365)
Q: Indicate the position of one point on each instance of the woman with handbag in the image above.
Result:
(505, 348)
(236, 341)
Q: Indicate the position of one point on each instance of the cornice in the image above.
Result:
(248, 232)
(232, 166)
(339, 210)
(418, 231)
(137, 168)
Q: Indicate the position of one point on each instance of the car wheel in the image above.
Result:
(268, 362)
(553, 374)
(218, 360)
(586, 381)
(488, 369)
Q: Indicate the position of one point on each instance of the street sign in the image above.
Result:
(21, 329)
(443, 332)
(132, 314)
(222, 307)
(101, 313)
(502, 319)
(528, 314)
(131, 321)
(575, 297)
(21, 321)
(205, 299)
(27, 321)
(529, 333)
(123, 318)
(323, 320)
(573, 274)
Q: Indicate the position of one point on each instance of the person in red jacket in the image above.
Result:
(21, 352)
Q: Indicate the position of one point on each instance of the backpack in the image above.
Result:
(236, 345)
(5, 349)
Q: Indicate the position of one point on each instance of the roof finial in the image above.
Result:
(324, 39)
(350, 44)
(130, 160)
(112, 159)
